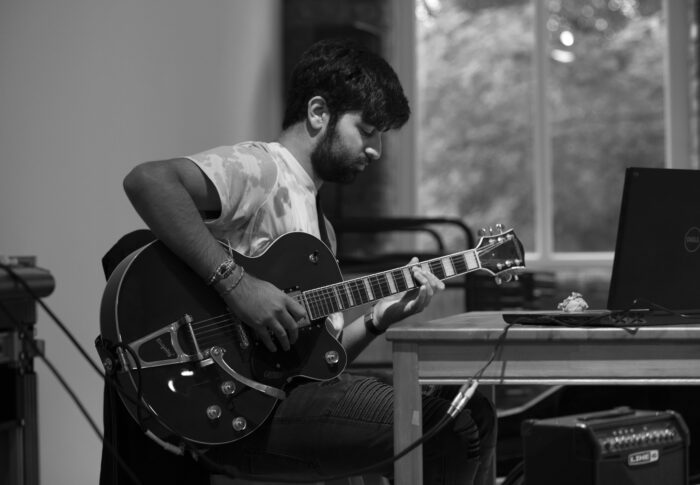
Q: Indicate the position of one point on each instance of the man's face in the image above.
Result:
(347, 147)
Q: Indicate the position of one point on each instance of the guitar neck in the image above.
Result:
(323, 301)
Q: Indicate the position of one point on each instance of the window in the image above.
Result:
(528, 111)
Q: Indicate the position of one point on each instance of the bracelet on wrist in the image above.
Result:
(223, 271)
(233, 286)
(371, 325)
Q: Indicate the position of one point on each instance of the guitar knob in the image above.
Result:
(482, 232)
(499, 228)
(213, 412)
(498, 280)
(239, 423)
(332, 357)
(228, 387)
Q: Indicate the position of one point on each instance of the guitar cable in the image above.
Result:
(460, 400)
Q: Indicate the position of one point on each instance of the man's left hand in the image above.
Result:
(392, 309)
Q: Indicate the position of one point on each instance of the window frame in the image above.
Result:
(401, 50)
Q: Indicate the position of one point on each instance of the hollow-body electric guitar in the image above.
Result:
(173, 345)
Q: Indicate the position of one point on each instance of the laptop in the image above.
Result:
(656, 269)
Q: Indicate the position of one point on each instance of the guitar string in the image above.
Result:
(330, 298)
(201, 325)
(379, 285)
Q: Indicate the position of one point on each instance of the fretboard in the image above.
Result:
(321, 302)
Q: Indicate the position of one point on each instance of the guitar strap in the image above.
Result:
(322, 220)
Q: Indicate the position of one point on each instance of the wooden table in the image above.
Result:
(451, 350)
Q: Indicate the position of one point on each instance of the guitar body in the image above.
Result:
(171, 320)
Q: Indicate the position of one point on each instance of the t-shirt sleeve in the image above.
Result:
(243, 175)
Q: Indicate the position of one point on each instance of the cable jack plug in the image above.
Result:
(463, 396)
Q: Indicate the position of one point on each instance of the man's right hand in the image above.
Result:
(265, 308)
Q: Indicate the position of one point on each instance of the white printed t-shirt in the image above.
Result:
(264, 193)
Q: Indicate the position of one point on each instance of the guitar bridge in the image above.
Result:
(164, 347)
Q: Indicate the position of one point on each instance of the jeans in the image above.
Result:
(337, 427)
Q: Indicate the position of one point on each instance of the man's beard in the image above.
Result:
(332, 162)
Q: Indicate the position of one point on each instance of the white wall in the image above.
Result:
(89, 88)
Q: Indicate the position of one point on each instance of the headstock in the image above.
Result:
(501, 253)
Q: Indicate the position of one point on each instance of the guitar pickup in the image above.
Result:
(164, 347)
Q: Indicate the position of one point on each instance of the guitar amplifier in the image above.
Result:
(621, 446)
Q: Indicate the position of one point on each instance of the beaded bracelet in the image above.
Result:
(223, 271)
(233, 286)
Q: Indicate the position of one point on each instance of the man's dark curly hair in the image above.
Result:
(349, 77)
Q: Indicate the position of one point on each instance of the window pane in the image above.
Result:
(694, 74)
(474, 61)
(606, 103)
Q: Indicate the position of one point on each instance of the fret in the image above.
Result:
(447, 267)
(459, 263)
(408, 277)
(400, 280)
(348, 292)
(328, 302)
(390, 281)
(343, 295)
(437, 269)
(472, 262)
(336, 297)
(322, 302)
(313, 306)
(332, 297)
(359, 292)
(368, 288)
(380, 287)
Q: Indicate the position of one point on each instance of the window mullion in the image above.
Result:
(542, 150)
(676, 85)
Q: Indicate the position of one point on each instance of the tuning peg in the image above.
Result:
(498, 280)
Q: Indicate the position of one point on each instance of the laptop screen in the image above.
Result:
(657, 254)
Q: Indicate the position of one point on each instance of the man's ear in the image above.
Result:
(317, 113)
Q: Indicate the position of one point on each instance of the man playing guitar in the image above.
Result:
(341, 99)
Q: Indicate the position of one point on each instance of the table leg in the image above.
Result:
(407, 413)
(490, 392)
